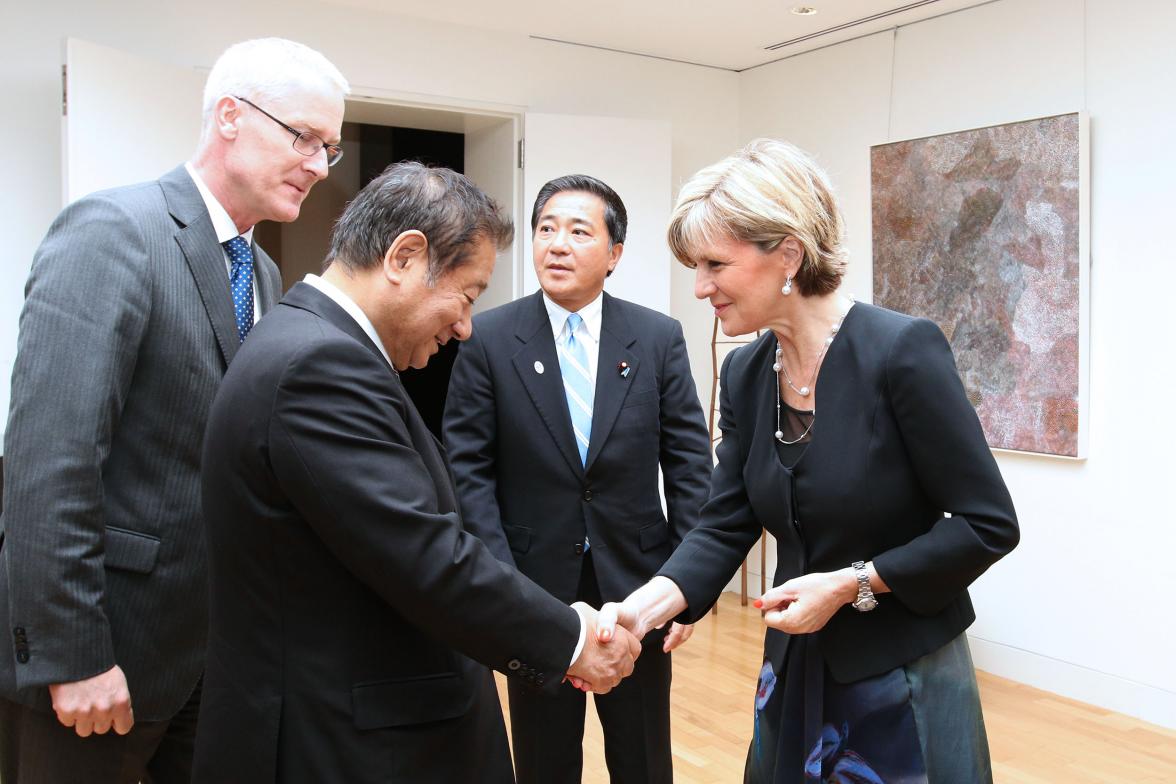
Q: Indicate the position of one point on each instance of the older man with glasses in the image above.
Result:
(137, 302)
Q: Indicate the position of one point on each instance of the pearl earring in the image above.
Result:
(787, 287)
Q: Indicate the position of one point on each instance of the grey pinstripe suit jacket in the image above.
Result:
(126, 331)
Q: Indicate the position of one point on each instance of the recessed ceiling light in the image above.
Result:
(804, 10)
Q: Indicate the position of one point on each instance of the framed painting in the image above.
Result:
(985, 232)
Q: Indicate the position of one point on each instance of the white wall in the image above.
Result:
(375, 51)
(484, 150)
(631, 155)
(1083, 606)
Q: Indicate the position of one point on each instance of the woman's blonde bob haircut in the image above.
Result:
(767, 191)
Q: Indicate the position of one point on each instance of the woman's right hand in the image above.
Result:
(649, 607)
(624, 613)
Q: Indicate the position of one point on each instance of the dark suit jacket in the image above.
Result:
(343, 586)
(521, 483)
(895, 445)
(126, 332)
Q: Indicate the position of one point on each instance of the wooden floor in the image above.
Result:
(1035, 736)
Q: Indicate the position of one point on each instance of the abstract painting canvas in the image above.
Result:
(985, 233)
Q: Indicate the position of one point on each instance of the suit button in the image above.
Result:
(587, 495)
(513, 664)
(22, 656)
(578, 548)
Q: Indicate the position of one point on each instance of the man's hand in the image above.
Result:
(650, 606)
(603, 663)
(95, 704)
(678, 634)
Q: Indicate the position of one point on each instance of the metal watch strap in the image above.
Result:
(865, 598)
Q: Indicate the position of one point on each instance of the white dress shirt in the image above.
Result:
(225, 230)
(588, 332)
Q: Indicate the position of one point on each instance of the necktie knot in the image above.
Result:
(239, 251)
(241, 283)
(574, 322)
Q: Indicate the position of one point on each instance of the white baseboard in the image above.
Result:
(1148, 703)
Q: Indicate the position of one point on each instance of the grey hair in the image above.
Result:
(762, 194)
(268, 69)
(452, 213)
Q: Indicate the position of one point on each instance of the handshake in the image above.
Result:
(612, 643)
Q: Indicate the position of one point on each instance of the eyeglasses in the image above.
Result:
(305, 142)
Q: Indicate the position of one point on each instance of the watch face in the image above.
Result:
(865, 604)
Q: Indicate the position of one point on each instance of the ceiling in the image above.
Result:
(732, 35)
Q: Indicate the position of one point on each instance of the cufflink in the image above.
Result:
(623, 368)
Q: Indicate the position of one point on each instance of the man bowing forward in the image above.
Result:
(346, 596)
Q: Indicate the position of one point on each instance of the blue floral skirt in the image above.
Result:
(917, 723)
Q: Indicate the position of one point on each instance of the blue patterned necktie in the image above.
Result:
(573, 363)
(241, 283)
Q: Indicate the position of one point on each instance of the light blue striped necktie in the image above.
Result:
(573, 363)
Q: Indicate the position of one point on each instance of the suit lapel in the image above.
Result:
(616, 337)
(307, 297)
(197, 241)
(546, 390)
(267, 294)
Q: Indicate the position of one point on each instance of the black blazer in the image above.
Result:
(521, 484)
(126, 331)
(895, 445)
(342, 584)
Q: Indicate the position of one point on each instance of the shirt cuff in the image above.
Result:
(583, 634)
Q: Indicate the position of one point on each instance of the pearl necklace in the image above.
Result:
(806, 390)
(780, 433)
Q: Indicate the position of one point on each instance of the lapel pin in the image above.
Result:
(623, 368)
(538, 367)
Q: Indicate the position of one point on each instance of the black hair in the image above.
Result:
(615, 216)
(452, 213)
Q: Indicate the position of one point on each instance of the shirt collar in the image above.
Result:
(222, 224)
(591, 313)
(353, 310)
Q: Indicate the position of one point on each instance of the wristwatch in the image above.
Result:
(865, 598)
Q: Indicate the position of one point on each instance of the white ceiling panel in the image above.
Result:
(734, 35)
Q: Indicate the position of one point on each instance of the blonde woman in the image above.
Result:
(847, 434)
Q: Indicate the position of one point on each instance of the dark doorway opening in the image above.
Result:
(380, 148)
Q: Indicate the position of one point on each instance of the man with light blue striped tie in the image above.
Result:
(562, 408)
